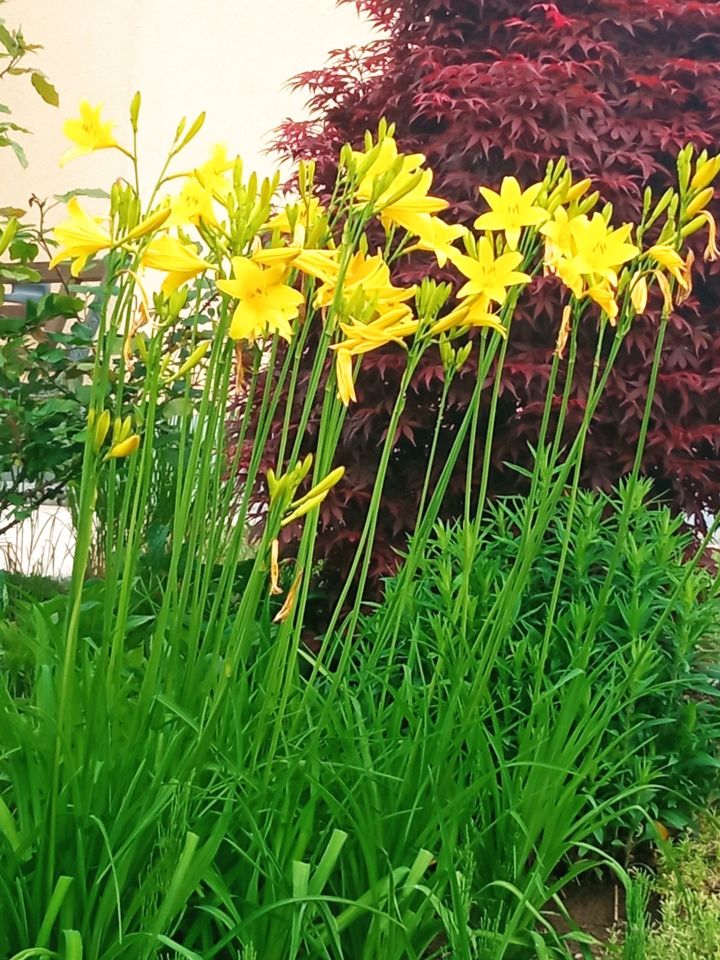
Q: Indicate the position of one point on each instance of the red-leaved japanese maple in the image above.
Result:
(486, 88)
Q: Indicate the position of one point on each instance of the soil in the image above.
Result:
(597, 905)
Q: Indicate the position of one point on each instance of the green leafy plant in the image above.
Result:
(656, 627)
(14, 51)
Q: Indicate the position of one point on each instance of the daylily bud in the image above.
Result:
(662, 205)
(588, 203)
(447, 355)
(578, 190)
(124, 449)
(699, 203)
(135, 111)
(117, 192)
(142, 349)
(121, 429)
(306, 176)
(315, 496)
(273, 484)
(462, 355)
(102, 425)
(705, 172)
(8, 234)
(697, 223)
(302, 510)
(639, 294)
(683, 167)
(149, 224)
(192, 361)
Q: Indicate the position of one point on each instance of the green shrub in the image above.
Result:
(657, 629)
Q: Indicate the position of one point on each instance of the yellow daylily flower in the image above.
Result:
(80, 237)
(667, 257)
(265, 302)
(386, 158)
(511, 210)
(211, 174)
(193, 204)
(604, 295)
(369, 274)
(179, 261)
(600, 249)
(558, 234)
(434, 235)
(488, 275)
(305, 211)
(392, 326)
(408, 195)
(89, 132)
(321, 264)
(473, 312)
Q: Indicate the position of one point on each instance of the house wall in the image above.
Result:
(232, 58)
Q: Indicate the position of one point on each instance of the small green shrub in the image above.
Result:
(657, 632)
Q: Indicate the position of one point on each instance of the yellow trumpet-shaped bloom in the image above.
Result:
(600, 249)
(434, 235)
(321, 264)
(193, 204)
(178, 260)
(407, 195)
(558, 234)
(489, 276)
(372, 276)
(89, 132)
(211, 174)
(386, 158)
(79, 237)
(604, 295)
(511, 210)
(671, 260)
(266, 304)
(392, 326)
(473, 312)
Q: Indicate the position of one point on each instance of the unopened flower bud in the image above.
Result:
(124, 449)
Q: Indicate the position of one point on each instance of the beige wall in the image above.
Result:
(229, 57)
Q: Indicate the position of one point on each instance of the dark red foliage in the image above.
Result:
(486, 88)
